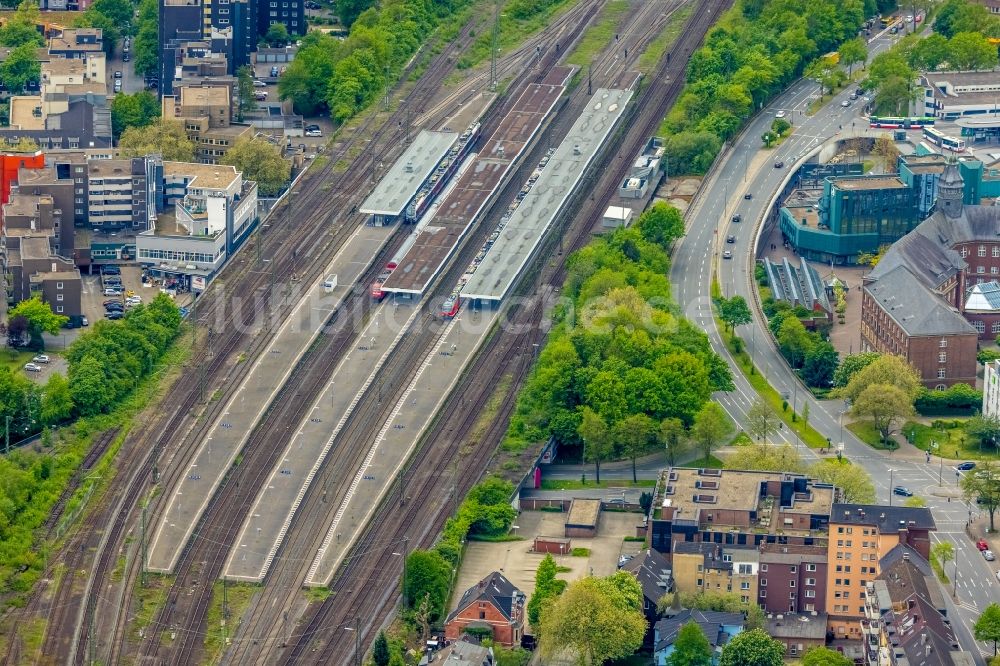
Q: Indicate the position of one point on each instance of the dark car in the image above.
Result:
(274, 71)
(737, 218)
(730, 239)
(966, 466)
(111, 302)
(748, 196)
(111, 270)
(115, 307)
(114, 314)
(779, 164)
(125, 58)
(902, 491)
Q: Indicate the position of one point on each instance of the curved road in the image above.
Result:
(744, 167)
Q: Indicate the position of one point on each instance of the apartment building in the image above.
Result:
(206, 111)
(860, 535)
(906, 618)
(738, 508)
(709, 567)
(77, 43)
(209, 210)
(32, 265)
(792, 578)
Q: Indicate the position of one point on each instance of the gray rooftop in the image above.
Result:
(914, 307)
(529, 222)
(409, 172)
(799, 285)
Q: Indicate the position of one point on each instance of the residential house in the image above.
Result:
(719, 628)
(652, 570)
(492, 603)
(798, 632)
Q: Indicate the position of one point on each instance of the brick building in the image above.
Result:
(709, 567)
(492, 603)
(792, 578)
(860, 535)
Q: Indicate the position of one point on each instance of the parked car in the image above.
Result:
(117, 307)
(902, 491)
(111, 291)
(727, 255)
(730, 239)
(111, 270)
(257, 83)
(84, 321)
(32, 367)
(982, 545)
(112, 301)
(274, 71)
(260, 95)
(314, 132)
(988, 555)
(133, 300)
(40, 358)
(118, 75)
(965, 467)
(779, 164)
(114, 314)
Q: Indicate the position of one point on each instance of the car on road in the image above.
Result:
(257, 83)
(779, 114)
(730, 239)
(111, 291)
(40, 358)
(965, 467)
(737, 218)
(114, 315)
(727, 255)
(982, 545)
(314, 132)
(909, 18)
(902, 491)
(846, 103)
(126, 58)
(748, 196)
(32, 367)
(988, 555)
(779, 164)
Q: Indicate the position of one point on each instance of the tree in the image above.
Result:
(971, 50)
(824, 656)
(136, 110)
(120, 12)
(595, 619)
(727, 602)
(711, 428)
(277, 35)
(547, 586)
(260, 161)
(855, 484)
(734, 312)
(884, 404)
(762, 421)
(87, 385)
(349, 10)
(752, 648)
(691, 647)
(22, 27)
(984, 428)
(852, 52)
(661, 223)
(673, 437)
(17, 332)
(851, 365)
(596, 439)
(634, 432)
(144, 46)
(57, 402)
(380, 650)
(983, 487)
(111, 31)
(306, 80)
(943, 552)
(794, 341)
(930, 52)
(166, 137)
(987, 627)
(40, 319)
(20, 67)
(766, 458)
(428, 575)
(915, 501)
(820, 364)
(246, 100)
(886, 369)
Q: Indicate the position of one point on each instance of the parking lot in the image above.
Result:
(55, 364)
(93, 293)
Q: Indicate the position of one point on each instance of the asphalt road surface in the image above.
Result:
(747, 169)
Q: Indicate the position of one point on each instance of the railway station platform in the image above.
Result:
(229, 433)
(398, 436)
(490, 170)
(521, 231)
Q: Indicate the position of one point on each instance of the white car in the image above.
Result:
(846, 103)
(112, 292)
(314, 132)
(257, 83)
(909, 18)
(41, 358)
(32, 367)
(133, 300)
(779, 114)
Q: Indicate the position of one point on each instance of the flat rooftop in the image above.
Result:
(404, 178)
(110, 168)
(462, 206)
(25, 204)
(584, 512)
(808, 214)
(202, 176)
(22, 112)
(531, 220)
(865, 183)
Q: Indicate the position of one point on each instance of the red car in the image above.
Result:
(982, 545)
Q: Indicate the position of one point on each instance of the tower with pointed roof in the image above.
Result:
(950, 191)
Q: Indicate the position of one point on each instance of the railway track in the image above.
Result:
(158, 441)
(370, 565)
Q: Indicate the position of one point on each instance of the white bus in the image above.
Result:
(939, 138)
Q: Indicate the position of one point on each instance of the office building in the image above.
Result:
(955, 95)
(206, 112)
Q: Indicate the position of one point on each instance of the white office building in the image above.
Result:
(991, 389)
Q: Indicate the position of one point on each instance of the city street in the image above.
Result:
(747, 168)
